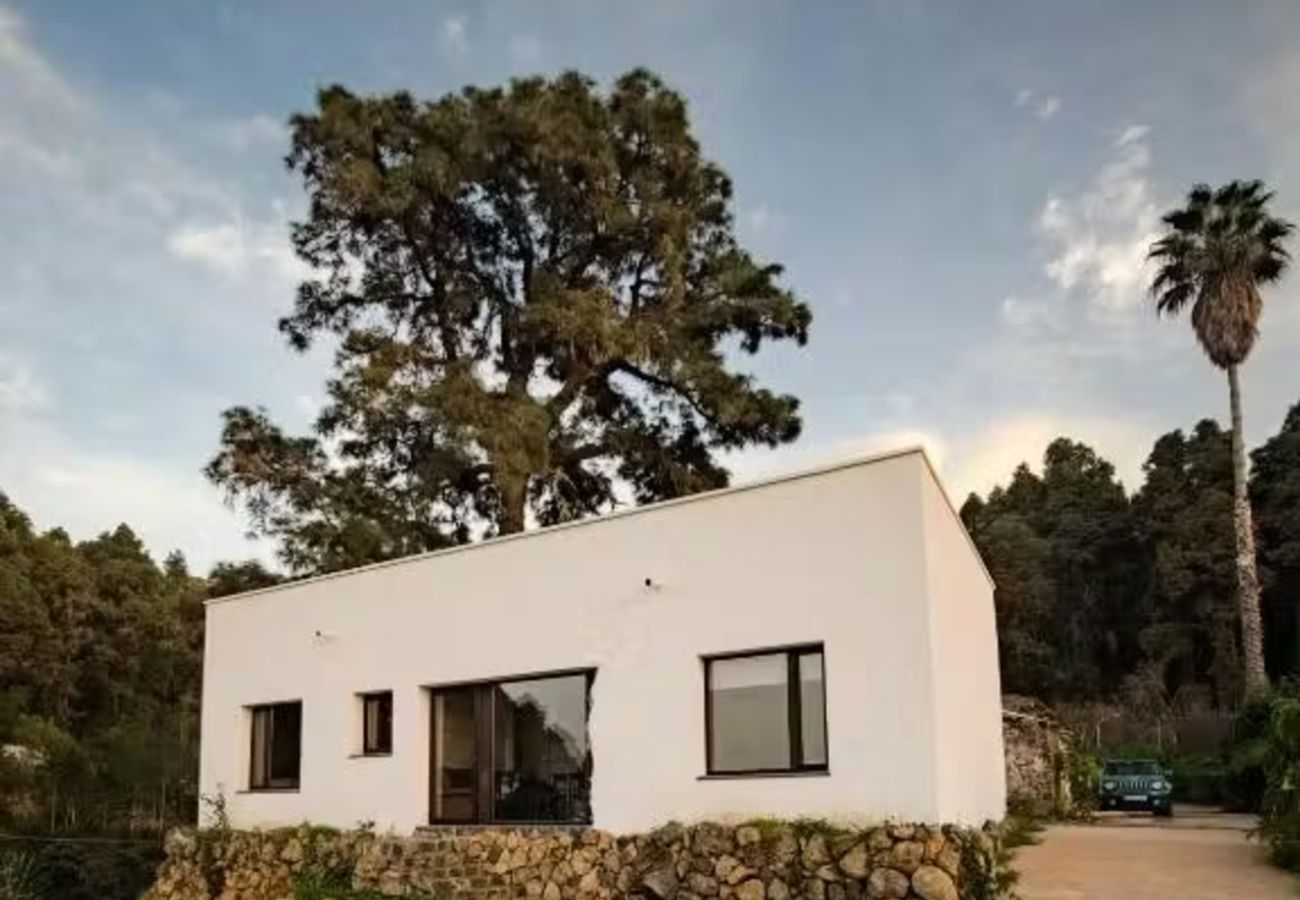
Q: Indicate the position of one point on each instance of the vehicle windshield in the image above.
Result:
(1132, 767)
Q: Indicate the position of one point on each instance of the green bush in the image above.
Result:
(1085, 782)
(17, 876)
(67, 870)
(1200, 779)
(1280, 810)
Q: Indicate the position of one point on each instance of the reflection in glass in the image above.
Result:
(540, 750)
(750, 713)
(812, 709)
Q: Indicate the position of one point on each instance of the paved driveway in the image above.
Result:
(1198, 855)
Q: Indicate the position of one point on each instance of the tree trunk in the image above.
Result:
(1252, 628)
(514, 497)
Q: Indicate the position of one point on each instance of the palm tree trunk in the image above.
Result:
(1252, 628)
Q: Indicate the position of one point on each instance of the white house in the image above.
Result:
(820, 644)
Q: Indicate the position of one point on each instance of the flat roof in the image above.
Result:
(768, 481)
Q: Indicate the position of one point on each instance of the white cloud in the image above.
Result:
(57, 485)
(254, 131)
(20, 390)
(25, 70)
(1043, 106)
(454, 34)
(237, 249)
(1099, 237)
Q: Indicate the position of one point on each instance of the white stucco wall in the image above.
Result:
(964, 665)
(837, 557)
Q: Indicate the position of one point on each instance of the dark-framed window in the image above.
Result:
(276, 745)
(765, 711)
(512, 750)
(377, 723)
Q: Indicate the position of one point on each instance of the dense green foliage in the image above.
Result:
(1102, 594)
(535, 293)
(1280, 752)
(63, 870)
(100, 657)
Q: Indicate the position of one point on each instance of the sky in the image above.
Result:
(962, 192)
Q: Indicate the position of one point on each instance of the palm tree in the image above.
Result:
(1215, 253)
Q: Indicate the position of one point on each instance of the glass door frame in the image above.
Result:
(484, 744)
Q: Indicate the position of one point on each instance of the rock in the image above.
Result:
(667, 835)
(180, 842)
(292, 851)
(879, 839)
(708, 839)
(704, 885)
(751, 890)
(934, 844)
(907, 856)
(739, 874)
(785, 847)
(551, 892)
(777, 890)
(933, 883)
(834, 892)
(725, 866)
(854, 863)
(887, 883)
(828, 873)
(661, 882)
(949, 859)
(748, 834)
(814, 852)
(901, 832)
(814, 889)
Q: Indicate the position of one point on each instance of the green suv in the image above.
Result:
(1136, 784)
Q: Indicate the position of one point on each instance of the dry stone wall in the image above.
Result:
(1038, 753)
(757, 861)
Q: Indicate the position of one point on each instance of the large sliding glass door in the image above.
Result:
(512, 750)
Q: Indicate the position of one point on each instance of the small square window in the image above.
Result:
(276, 739)
(766, 712)
(377, 723)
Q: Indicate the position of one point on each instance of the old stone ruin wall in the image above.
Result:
(756, 861)
(1038, 750)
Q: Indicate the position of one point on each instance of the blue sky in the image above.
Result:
(963, 192)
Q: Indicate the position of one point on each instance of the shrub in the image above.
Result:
(17, 876)
(1280, 812)
(62, 870)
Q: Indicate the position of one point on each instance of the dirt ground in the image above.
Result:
(1197, 855)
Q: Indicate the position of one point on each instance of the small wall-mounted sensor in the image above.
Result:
(323, 636)
(652, 585)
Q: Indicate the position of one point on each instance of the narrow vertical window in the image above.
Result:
(766, 712)
(276, 746)
(377, 723)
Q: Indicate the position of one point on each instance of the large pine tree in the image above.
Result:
(536, 294)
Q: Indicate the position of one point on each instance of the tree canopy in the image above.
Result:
(536, 296)
(1102, 594)
(100, 662)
